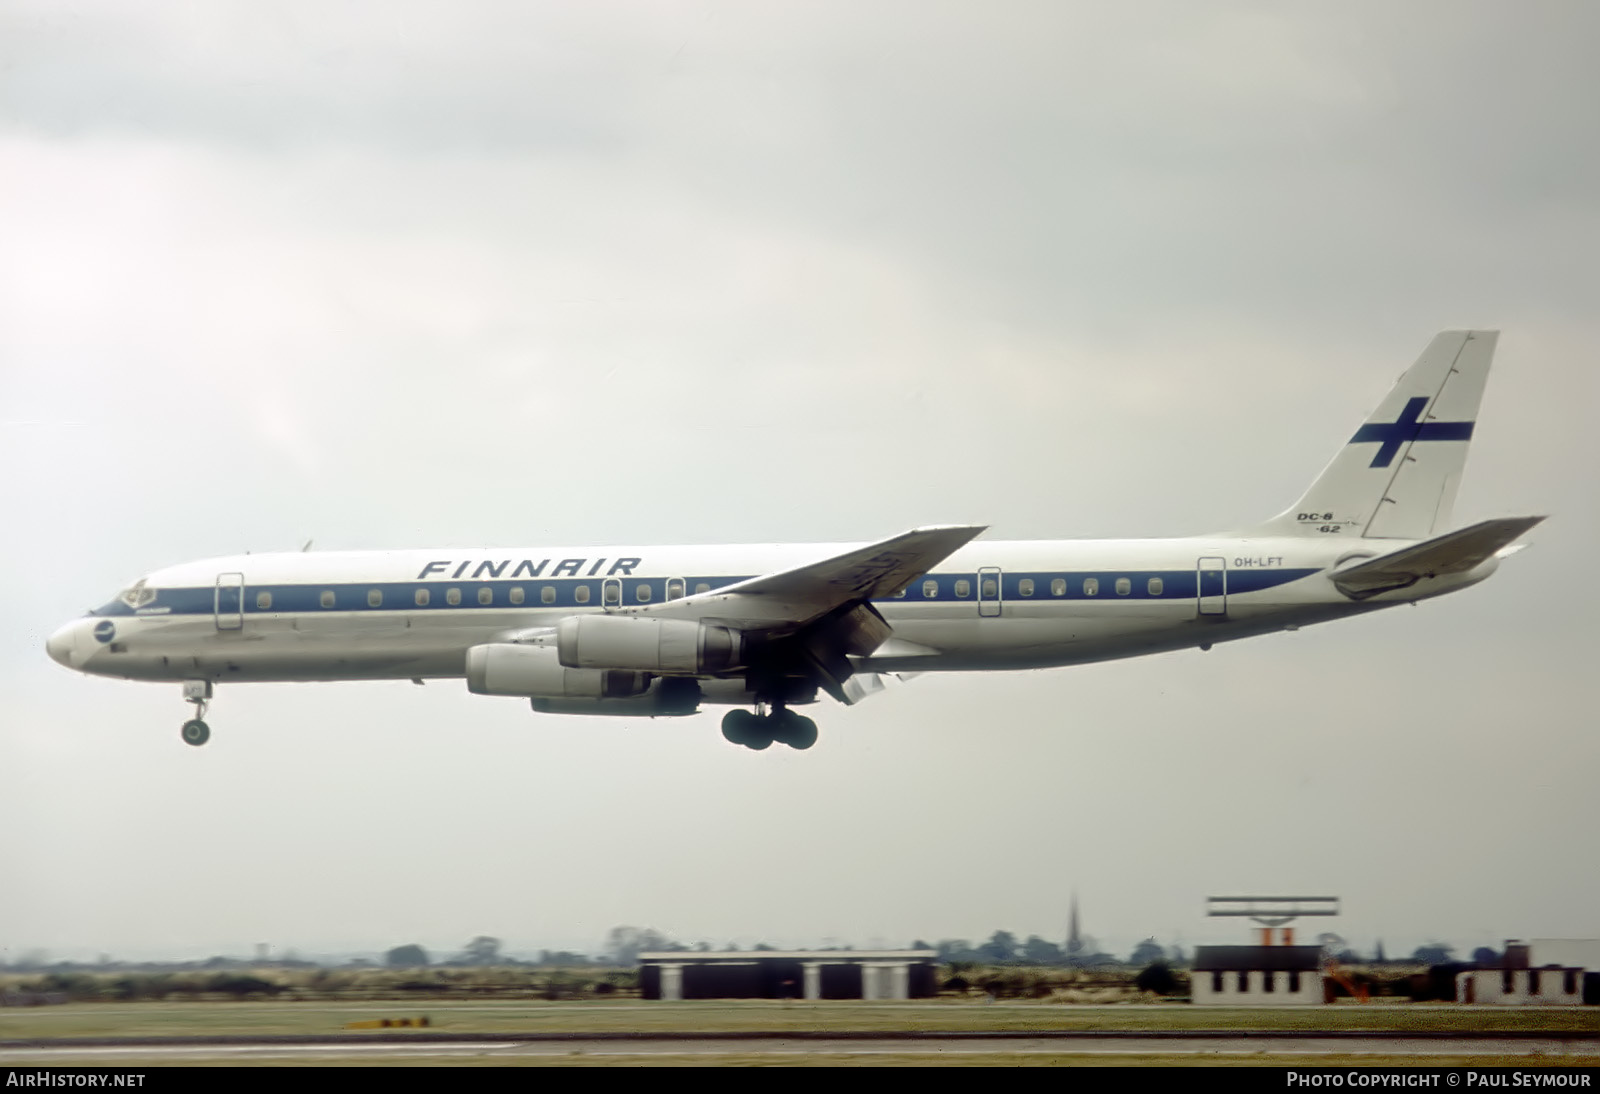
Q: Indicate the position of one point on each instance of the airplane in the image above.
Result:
(661, 631)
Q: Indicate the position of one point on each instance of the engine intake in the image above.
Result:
(505, 668)
(647, 645)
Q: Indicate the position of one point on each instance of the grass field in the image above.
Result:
(932, 1058)
(622, 1016)
(152, 1019)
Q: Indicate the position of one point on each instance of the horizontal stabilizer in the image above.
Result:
(1452, 553)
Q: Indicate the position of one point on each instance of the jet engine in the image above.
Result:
(667, 697)
(507, 668)
(647, 645)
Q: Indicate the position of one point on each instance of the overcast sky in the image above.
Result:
(394, 275)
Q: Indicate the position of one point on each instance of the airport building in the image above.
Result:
(1257, 976)
(790, 974)
(1543, 972)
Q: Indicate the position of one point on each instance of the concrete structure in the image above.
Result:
(1544, 972)
(1583, 953)
(1257, 976)
(789, 974)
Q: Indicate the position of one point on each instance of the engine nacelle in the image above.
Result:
(647, 645)
(667, 697)
(505, 668)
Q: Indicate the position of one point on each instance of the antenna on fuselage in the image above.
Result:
(306, 548)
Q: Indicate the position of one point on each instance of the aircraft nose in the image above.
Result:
(63, 645)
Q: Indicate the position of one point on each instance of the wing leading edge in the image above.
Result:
(791, 599)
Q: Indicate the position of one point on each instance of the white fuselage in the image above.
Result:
(991, 605)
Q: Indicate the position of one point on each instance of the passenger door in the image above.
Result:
(1211, 581)
(989, 592)
(228, 602)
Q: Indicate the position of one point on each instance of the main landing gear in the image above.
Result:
(758, 731)
(196, 732)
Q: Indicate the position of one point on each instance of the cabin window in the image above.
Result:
(1091, 586)
(989, 588)
(611, 593)
(1124, 586)
(643, 593)
(581, 594)
(374, 598)
(675, 589)
(930, 589)
(452, 597)
(1025, 587)
(264, 601)
(963, 587)
(422, 598)
(1153, 586)
(327, 598)
(547, 595)
(1058, 587)
(485, 595)
(901, 595)
(701, 587)
(516, 594)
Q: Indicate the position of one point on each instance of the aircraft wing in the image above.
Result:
(1452, 553)
(790, 599)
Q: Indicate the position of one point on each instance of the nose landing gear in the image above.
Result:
(196, 732)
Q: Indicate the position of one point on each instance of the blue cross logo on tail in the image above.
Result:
(1392, 436)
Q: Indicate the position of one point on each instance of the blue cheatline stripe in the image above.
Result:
(401, 596)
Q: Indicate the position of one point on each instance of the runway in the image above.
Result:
(1546, 1049)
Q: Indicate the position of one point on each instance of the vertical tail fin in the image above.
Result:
(1397, 477)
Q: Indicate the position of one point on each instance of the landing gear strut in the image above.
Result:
(758, 731)
(196, 732)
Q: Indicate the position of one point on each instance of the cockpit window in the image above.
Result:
(139, 595)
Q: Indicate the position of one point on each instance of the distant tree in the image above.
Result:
(1434, 953)
(1147, 952)
(951, 950)
(762, 947)
(240, 986)
(1001, 947)
(1485, 958)
(1037, 951)
(482, 950)
(406, 957)
(562, 958)
(625, 944)
(1157, 977)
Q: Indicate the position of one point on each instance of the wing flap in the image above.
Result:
(793, 598)
(1452, 553)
